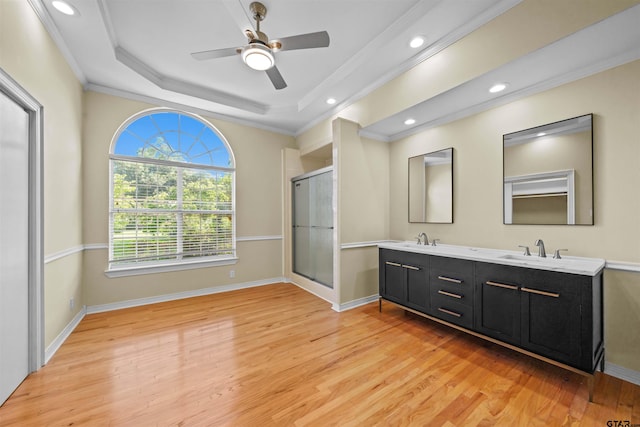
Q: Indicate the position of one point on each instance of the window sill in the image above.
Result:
(164, 268)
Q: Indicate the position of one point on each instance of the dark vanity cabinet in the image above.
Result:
(551, 314)
(404, 278)
(556, 315)
(451, 289)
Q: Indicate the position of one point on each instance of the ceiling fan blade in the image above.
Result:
(215, 53)
(276, 78)
(305, 41)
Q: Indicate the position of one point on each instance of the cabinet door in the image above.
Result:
(551, 315)
(392, 276)
(417, 271)
(497, 312)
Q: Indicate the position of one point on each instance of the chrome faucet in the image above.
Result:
(526, 250)
(541, 252)
(556, 254)
(423, 237)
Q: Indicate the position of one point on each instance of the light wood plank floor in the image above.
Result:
(277, 355)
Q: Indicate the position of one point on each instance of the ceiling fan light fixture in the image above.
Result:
(258, 57)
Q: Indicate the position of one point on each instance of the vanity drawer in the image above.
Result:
(452, 275)
(453, 293)
(447, 309)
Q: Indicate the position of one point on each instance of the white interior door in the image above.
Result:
(14, 246)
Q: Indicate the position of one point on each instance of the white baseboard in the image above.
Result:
(180, 295)
(62, 336)
(339, 307)
(354, 303)
(622, 373)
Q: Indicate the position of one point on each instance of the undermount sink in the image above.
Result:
(568, 264)
(525, 258)
(558, 263)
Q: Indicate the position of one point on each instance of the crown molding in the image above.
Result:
(374, 135)
(107, 90)
(169, 83)
(185, 88)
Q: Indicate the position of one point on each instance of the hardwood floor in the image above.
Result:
(277, 355)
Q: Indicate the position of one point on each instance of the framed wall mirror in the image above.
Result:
(548, 173)
(431, 187)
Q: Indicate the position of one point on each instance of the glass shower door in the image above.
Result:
(313, 227)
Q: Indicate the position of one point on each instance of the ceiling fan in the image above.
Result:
(259, 52)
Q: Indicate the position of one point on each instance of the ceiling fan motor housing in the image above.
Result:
(258, 10)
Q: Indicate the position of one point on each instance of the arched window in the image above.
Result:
(172, 192)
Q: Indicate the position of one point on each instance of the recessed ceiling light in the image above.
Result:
(64, 7)
(409, 122)
(498, 87)
(331, 101)
(416, 42)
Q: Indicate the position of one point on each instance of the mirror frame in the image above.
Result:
(564, 174)
(409, 188)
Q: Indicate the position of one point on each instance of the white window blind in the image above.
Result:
(164, 208)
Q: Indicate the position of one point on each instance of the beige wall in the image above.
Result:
(622, 318)
(363, 185)
(30, 57)
(259, 207)
(417, 189)
(363, 207)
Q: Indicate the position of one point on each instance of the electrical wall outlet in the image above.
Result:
(72, 304)
(232, 273)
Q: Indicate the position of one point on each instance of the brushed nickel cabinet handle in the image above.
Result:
(449, 294)
(535, 291)
(410, 267)
(449, 279)
(501, 285)
(452, 313)
(395, 264)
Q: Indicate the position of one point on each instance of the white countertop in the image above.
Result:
(567, 264)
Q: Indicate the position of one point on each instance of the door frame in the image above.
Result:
(35, 110)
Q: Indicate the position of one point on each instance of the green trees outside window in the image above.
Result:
(172, 192)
